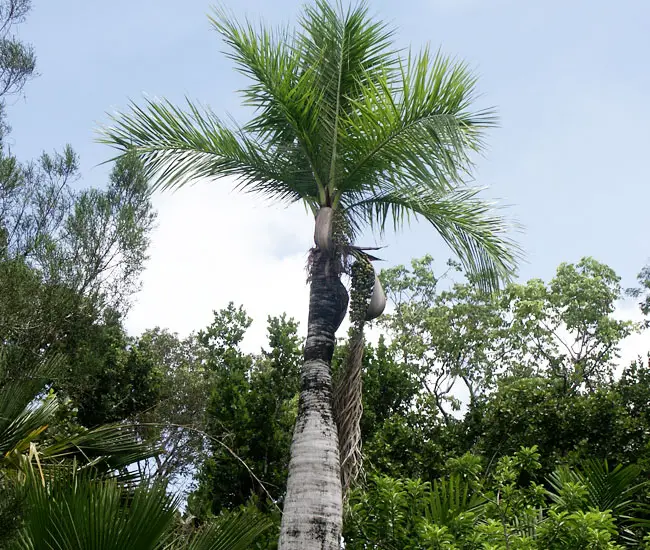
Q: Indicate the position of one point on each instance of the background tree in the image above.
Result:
(250, 414)
(17, 59)
(642, 291)
(177, 420)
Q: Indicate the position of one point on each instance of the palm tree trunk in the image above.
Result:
(312, 515)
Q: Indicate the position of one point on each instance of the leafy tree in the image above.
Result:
(446, 337)
(69, 262)
(251, 412)
(111, 376)
(504, 510)
(177, 421)
(567, 326)
(463, 336)
(642, 291)
(92, 242)
(17, 59)
(362, 136)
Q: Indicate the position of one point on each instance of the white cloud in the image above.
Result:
(637, 344)
(214, 245)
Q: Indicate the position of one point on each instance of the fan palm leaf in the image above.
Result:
(615, 490)
(71, 510)
(26, 413)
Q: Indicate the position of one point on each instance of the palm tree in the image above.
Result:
(362, 135)
(26, 412)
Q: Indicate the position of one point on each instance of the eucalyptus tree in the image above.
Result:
(365, 136)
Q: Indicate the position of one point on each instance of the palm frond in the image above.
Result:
(105, 450)
(22, 416)
(449, 498)
(607, 489)
(26, 413)
(347, 52)
(416, 129)
(464, 222)
(69, 510)
(283, 90)
(179, 146)
(231, 531)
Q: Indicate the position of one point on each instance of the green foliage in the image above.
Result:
(17, 59)
(177, 420)
(504, 510)
(567, 325)
(92, 242)
(72, 511)
(75, 512)
(643, 292)
(616, 490)
(250, 415)
(111, 376)
(27, 410)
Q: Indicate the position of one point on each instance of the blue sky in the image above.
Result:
(569, 79)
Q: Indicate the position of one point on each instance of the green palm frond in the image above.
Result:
(26, 413)
(73, 511)
(449, 498)
(22, 417)
(614, 490)
(479, 238)
(231, 531)
(179, 146)
(418, 131)
(348, 52)
(281, 91)
(106, 450)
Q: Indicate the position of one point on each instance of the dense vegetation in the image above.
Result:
(492, 420)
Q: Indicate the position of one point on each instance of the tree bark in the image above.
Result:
(313, 509)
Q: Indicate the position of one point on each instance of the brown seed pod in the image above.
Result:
(377, 301)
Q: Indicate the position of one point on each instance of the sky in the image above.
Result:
(569, 80)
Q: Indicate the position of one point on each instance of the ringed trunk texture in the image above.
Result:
(313, 507)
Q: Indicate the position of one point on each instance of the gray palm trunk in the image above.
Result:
(312, 513)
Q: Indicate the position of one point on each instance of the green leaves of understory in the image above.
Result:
(498, 510)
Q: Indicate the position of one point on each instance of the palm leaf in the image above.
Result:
(22, 416)
(414, 128)
(72, 511)
(231, 531)
(25, 414)
(106, 450)
(614, 490)
(347, 52)
(464, 222)
(449, 498)
(179, 146)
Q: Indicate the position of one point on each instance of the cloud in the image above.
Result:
(636, 345)
(213, 246)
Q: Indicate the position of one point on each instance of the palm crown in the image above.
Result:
(341, 120)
